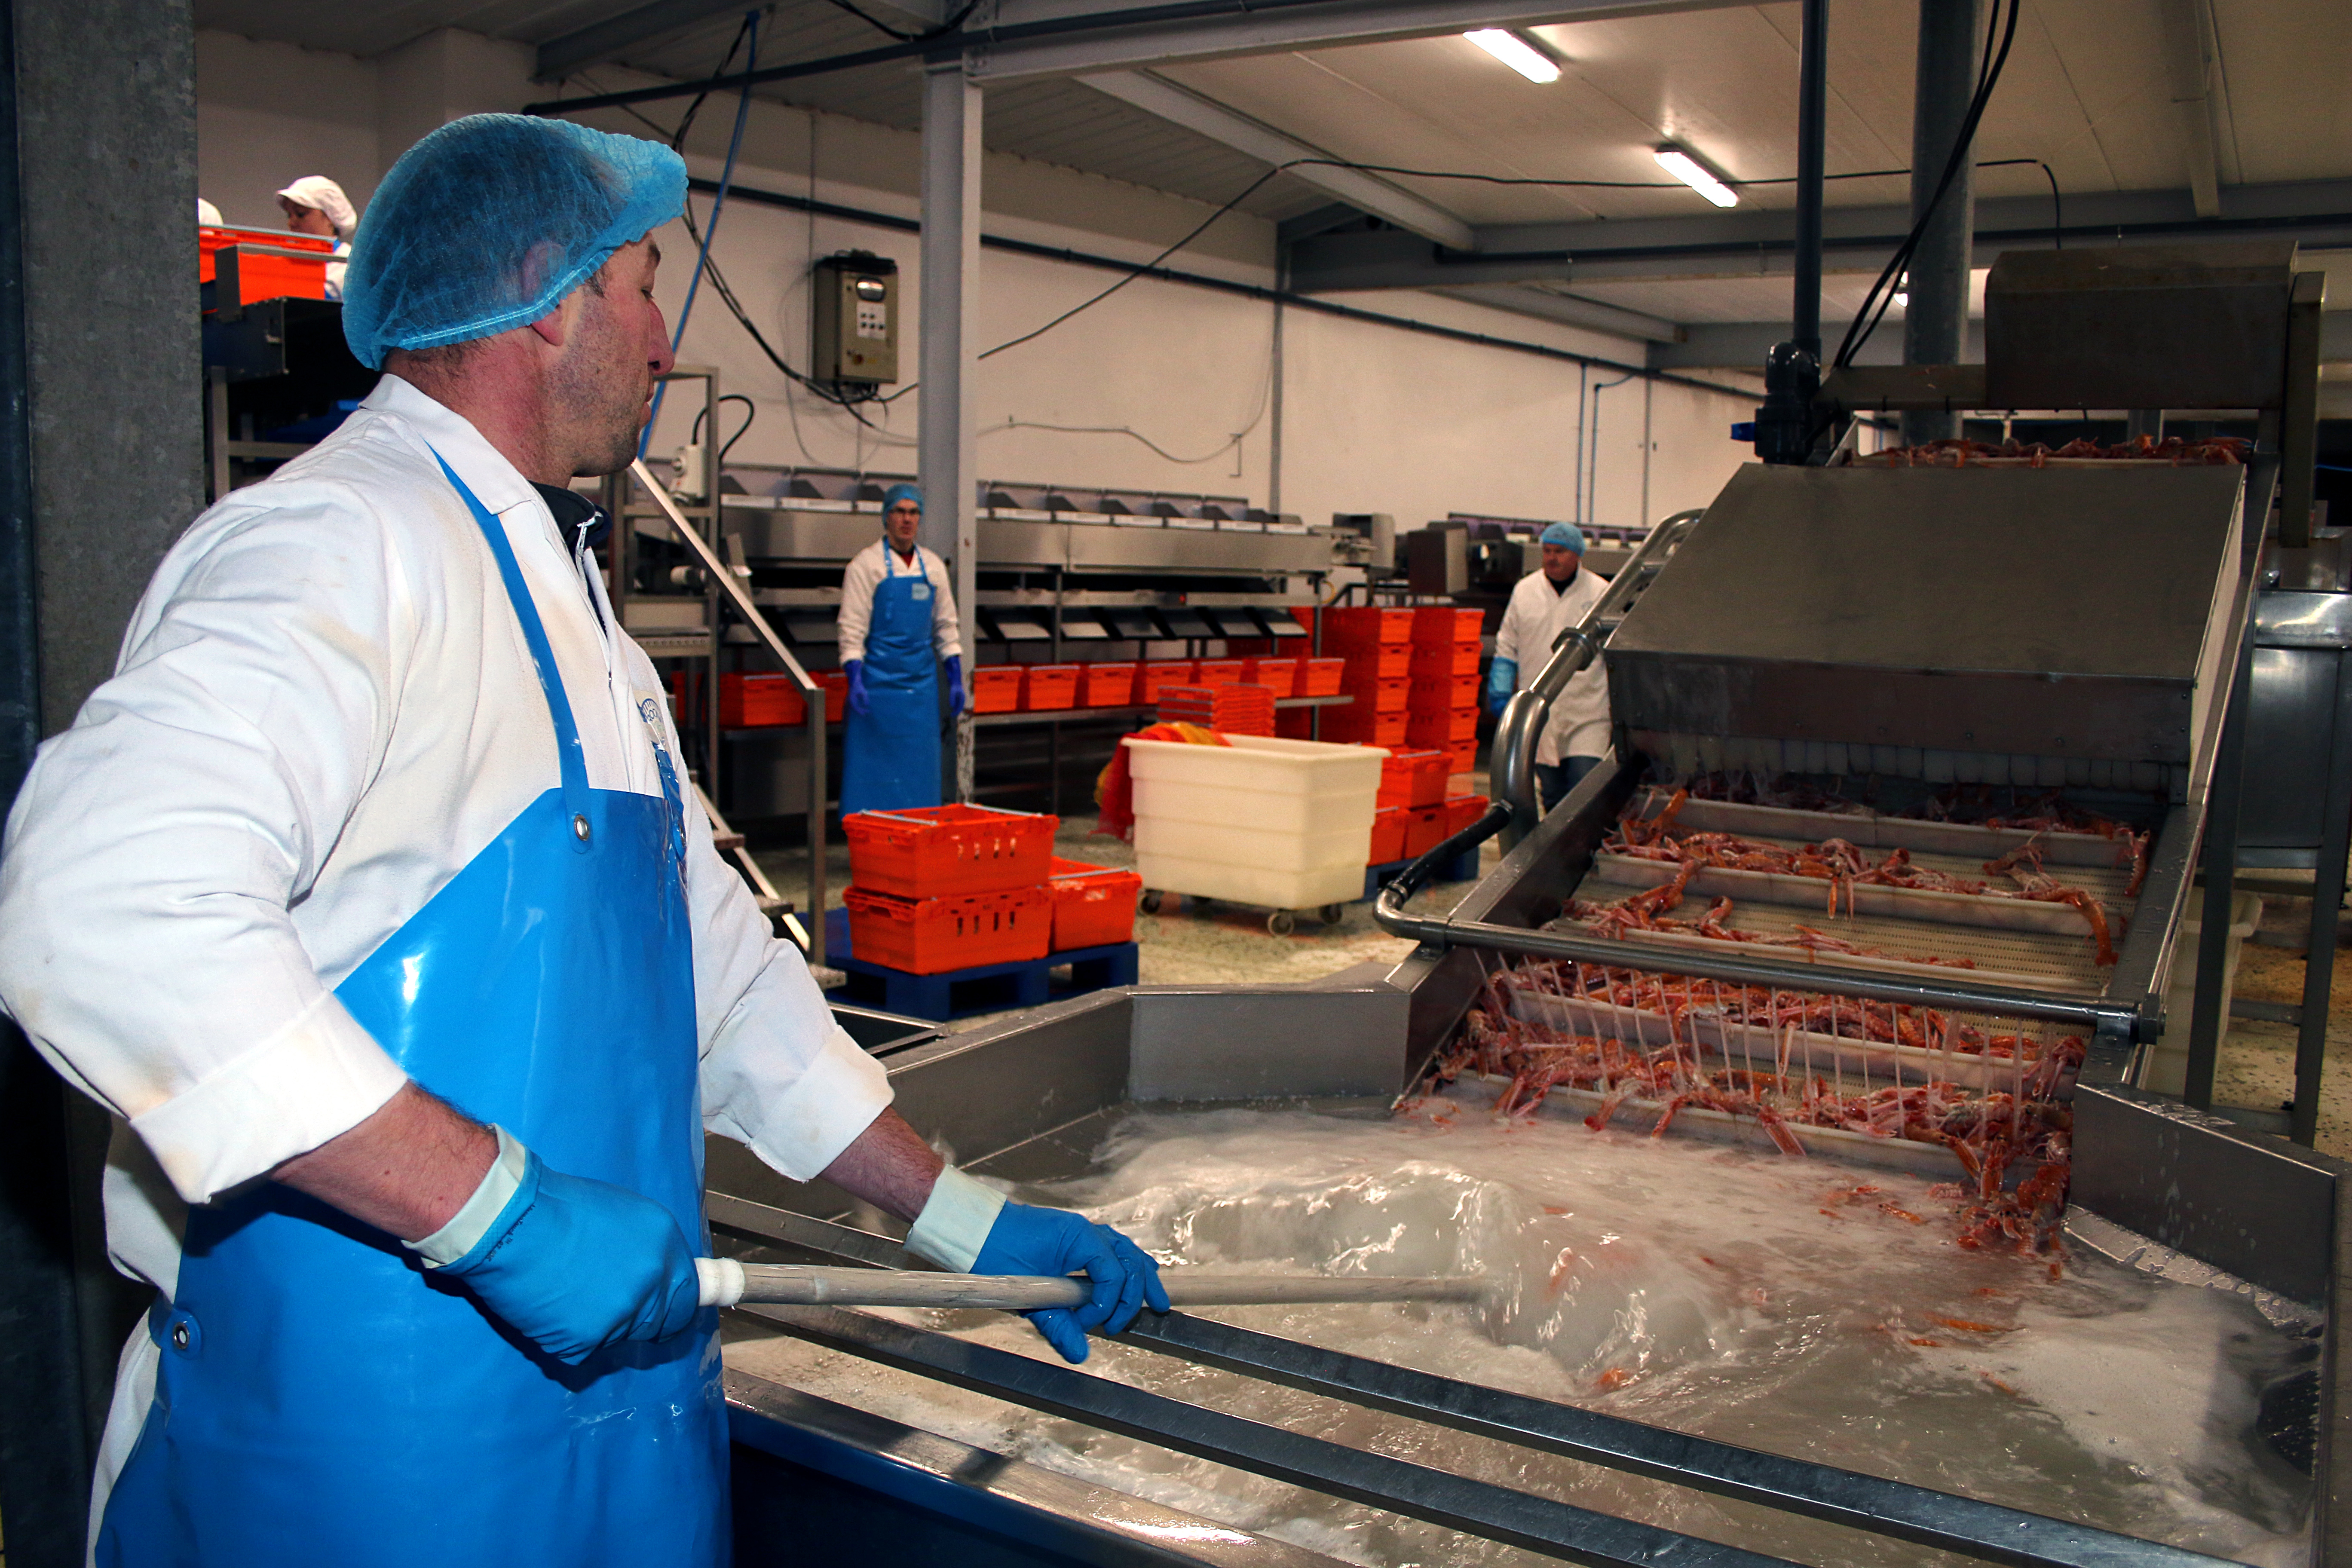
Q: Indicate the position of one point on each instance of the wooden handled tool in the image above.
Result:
(726, 1282)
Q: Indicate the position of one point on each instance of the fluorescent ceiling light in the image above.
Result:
(1697, 175)
(1517, 53)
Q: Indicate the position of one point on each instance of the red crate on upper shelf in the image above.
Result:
(1154, 673)
(1361, 626)
(1109, 684)
(1444, 728)
(1444, 662)
(1280, 676)
(1216, 672)
(955, 930)
(1094, 906)
(1387, 835)
(1444, 626)
(1321, 677)
(1045, 688)
(996, 688)
(1414, 777)
(924, 852)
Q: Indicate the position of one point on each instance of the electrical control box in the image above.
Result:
(854, 335)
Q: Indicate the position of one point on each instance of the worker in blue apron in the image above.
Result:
(366, 895)
(897, 626)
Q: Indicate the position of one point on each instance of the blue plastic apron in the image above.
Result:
(321, 1398)
(891, 753)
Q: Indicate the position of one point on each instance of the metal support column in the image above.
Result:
(2327, 900)
(1812, 143)
(2220, 869)
(1936, 320)
(947, 451)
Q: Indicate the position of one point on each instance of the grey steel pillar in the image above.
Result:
(947, 449)
(101, 465)
(1936, 320)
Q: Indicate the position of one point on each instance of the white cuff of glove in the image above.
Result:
(954, 1225)
(470, 1224)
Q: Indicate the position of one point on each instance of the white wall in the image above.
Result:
(1374, 418)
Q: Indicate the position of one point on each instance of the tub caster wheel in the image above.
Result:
(1152, 900)
(1282, 923)
(1333, 913)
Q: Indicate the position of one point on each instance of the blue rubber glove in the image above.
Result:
(855, 670)
(1502, 679)
(1026, 1239)
(955, 683)
(574, 1265)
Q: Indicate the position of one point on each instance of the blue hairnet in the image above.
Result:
(1566, 533)
(897, 493)
(488, 222)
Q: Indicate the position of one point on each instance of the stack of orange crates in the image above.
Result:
(942, 888)
(1441, 708)
(1377, 646)
(1236, 707)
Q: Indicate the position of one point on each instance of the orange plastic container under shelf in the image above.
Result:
(959, 930)
(928, 851)
(996, 688)
(1216, 672)
(1415, 778)
(1321, 677)
(1440, 624)
(1154, 673)
(1387, 835)
(1352, 727)
(1110, 684)
(1425, 828)
(1280, 676)
(1094, 906)
(1444, 728)
(1443, 661)
(1046, 687)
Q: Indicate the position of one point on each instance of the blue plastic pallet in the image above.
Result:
(1462, 868)
(984, 988)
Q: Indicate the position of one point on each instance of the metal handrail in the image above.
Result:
(811, 693)
(1515, 735)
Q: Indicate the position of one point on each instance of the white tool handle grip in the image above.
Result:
(722, 1281)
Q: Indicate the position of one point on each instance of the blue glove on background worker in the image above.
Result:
(1502, 679)
(855, 670)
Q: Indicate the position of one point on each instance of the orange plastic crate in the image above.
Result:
(1424, 829)
(1377, 661)
(1415, 778)
(1387, 835)
(211, 240)
(1047, 686)
(1440, 624)
(958, 930)
(836, 693)
(1154, 673)
(1443, 661)
(996, 688)
(1350, 727)
(1359, 625)
(1390, 694)
(1216, 672)
(1443, 728)
(1280, 676)
(1462, 810)
(1465, 756)
(1094, 906)
(1321, 677)
(928, 851)
(1110, 684)
(757, 701)
(1440, 695)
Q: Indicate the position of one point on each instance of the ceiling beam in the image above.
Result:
(1117, 37)
(600, 43)
(1243, 135)
(1742, 345)
(1570, 311)
(1746, 242)
(2187, 25)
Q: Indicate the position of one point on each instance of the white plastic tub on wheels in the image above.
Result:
(1284, 825)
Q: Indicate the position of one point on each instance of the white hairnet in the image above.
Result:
(321, 193)
(208, 213)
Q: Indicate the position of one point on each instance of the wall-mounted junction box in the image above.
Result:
(854, 334)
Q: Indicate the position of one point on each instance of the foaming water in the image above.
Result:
(1795, 1305)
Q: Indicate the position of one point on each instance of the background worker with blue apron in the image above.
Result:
(898, 624)
(367, 896)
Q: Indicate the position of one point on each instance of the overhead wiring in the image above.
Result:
(902, 34)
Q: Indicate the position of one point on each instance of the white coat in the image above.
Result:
(323, 709)
(1534, 618)
(865, 571)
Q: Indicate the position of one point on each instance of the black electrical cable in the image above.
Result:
(1882, 292)
(751, 412)
(950, 26)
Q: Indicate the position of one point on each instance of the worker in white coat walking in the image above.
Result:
(366, 897)
(1545, 603)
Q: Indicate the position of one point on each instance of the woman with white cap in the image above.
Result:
(1545, 603)
(316, 204)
